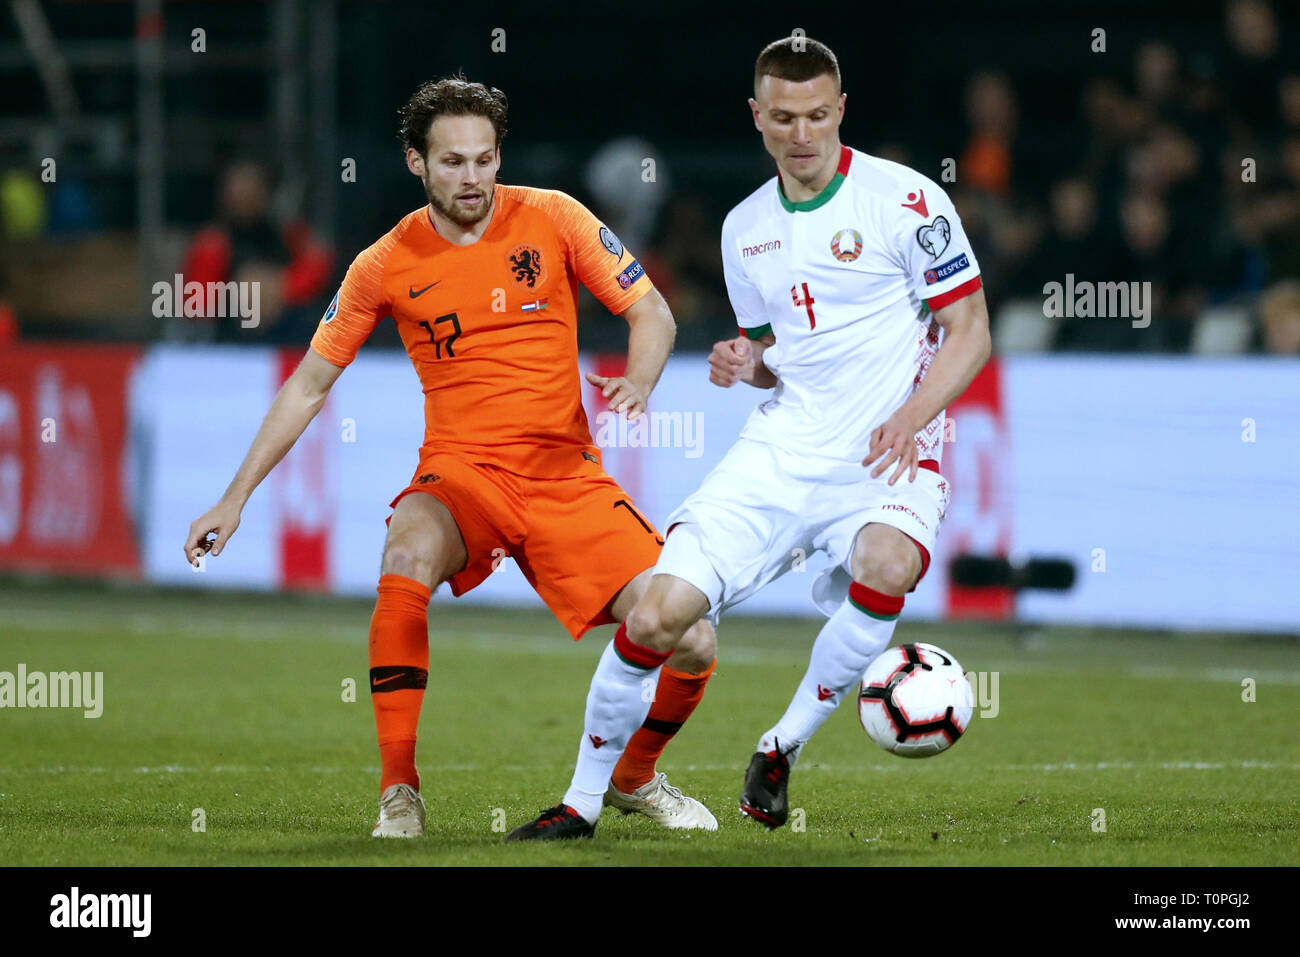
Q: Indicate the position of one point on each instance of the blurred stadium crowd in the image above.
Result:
(1185, 173)
(1178, 164)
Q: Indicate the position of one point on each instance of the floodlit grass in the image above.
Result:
(235, 705)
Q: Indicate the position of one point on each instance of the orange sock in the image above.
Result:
(676, 696)
(399, 670)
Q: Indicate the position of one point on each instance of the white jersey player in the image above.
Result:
(859, 300)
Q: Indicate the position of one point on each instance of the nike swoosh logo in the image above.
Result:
(384, 681)
(416, 293)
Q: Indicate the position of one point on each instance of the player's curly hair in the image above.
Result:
(796, 59)
(451, 96)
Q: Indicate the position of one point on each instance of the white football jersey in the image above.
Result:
(847, 282)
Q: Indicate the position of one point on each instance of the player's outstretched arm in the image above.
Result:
(966, 346)
(741, 360)
(650, 339)
(296, 404)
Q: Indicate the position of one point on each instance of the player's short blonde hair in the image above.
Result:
(450, 96)
(796, 59)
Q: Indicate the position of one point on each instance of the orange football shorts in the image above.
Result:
(578, 539)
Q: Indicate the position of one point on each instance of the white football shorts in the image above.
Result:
(763, 510)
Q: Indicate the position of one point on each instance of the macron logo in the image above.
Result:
(102, 910)
(761, 248)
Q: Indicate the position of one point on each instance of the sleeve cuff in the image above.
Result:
(631, 296)
(327, 354)
(758, 332)
(952, 295)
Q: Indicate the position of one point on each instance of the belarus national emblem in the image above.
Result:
(526, 264)
(846, 245)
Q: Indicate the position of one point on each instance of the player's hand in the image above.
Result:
(624, 395)
(896, 442)
(223, 519)
(731, 361)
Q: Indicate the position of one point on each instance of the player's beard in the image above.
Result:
(461, 217)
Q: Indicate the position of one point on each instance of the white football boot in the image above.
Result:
(401, 813)
(663, 804)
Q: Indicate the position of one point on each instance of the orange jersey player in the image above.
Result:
(482, 283)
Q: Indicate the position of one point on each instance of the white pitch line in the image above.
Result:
(1234, 675)
(828, 768)
(899, 766)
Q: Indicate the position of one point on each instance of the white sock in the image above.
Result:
(846, 645)
(617, 705)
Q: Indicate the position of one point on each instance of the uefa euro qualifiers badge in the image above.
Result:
(934, 237)
(611, 242)
(332, 310)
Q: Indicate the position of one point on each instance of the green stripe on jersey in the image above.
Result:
(807, 205)
(758, 332)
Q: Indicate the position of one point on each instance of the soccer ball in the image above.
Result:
(915, 700)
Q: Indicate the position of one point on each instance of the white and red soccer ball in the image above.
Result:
(915, 700)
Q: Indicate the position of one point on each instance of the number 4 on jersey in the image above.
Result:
(806, 301)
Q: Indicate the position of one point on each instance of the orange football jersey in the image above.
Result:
(492, 327)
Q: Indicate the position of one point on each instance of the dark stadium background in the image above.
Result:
(298, 85)
(1157, 468)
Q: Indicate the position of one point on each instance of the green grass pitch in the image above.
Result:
(234, 704)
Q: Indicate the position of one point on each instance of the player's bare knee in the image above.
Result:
(421, 560)
(643, 624)
(409, 563)
(697, 649)
(649, 626)
(891, 574)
